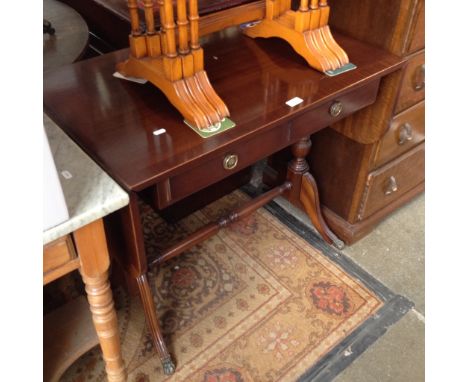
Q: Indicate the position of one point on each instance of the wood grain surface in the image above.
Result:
(114, 120)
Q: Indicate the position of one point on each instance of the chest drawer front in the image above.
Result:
(392, 181)
(413, 83)
(58, 253)
(406, 131)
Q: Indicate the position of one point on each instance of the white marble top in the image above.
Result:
(90, 193)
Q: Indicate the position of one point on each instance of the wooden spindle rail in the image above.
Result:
(134, 18)
(149, 16)
(137, 40)
(182, 24)
(304, 6)
(213, 228)
(169, 28)
(193, 17)
(153, 40)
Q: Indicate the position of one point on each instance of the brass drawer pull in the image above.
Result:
(419, 78)
(230, 161)
(392, 186)
(405, 133)
(335, 109)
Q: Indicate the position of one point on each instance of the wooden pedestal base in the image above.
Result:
(306, 30)
(173, 65)
(304, 193)
(192, 94)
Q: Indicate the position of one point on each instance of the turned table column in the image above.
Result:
(304, 193)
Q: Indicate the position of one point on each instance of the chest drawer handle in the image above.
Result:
(405, 133)
(230, 161)
(419, 78)
(392, 186)
(335, 109)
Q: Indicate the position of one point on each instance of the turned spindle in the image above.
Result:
(304, 7)
(153, 40)
(134, 18)
(149, 16)
(182, 23)
(136, 40)
(193, 17)
(94, 266)
(169, 28)
(162, 21)
(324, 12)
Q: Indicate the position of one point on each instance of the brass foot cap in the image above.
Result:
(168, 366)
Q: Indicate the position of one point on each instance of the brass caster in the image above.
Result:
(338, 243)
(168, 366)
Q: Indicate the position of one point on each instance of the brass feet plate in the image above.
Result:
(225, 124)
(343, 69)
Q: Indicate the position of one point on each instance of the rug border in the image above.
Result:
(349, 349)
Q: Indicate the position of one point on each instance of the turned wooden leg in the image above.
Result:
(304, 192)
(94, 260)
(136, 265)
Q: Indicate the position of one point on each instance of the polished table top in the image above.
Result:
(113, 120)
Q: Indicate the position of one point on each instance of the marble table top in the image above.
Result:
(90, 193)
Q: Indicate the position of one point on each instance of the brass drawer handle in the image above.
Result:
(392, 186)
(335, 109)
(419, 78)
(230, 161)
(405, 134)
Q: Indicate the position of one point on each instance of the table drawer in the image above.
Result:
(244, 154)
(334, 110)
(58, 253)
(392, 181)
(413, 83)
(220, 167)
(406, 131)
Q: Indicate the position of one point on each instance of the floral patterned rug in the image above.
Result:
(256, 302)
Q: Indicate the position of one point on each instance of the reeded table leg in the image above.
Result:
(304, 193)
(137, 266)
(94, 260)
(152, 321)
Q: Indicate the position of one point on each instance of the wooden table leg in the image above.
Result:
(91, 244)
(137, 266)
(304, 193)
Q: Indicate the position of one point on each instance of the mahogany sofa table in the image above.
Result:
(113, 120)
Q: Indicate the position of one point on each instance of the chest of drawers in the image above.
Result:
(373, 162)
